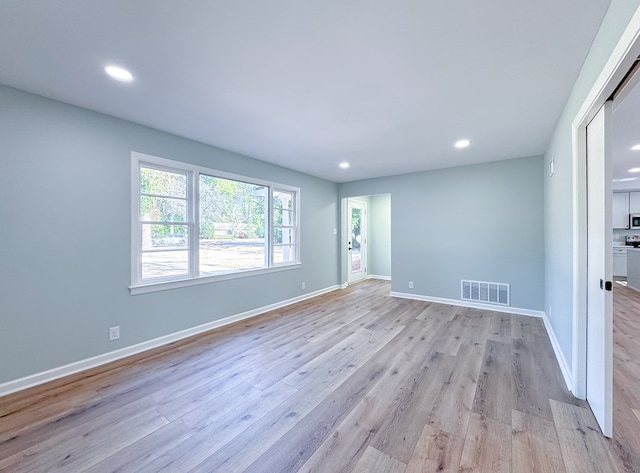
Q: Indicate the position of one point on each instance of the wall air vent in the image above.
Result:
(485, 292)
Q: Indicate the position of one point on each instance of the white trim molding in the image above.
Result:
(98, 360)
(375, 276)
(165, 285)
(562, 361)
(471, 305)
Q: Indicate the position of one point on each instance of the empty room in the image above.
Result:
(318, 236)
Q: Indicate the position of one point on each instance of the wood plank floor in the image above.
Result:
(352, 381)
(626, 377)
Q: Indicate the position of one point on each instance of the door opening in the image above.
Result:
(592, 370)
(356, 241)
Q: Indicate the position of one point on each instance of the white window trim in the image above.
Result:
(141, 287)
(296, 226)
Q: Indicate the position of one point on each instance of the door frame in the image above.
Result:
(620, 61)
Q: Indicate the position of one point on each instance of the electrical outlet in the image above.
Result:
(410, 284)
(114, 333)
(304, 284)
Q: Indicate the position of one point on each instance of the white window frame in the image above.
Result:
(292, 224)
(193, 172)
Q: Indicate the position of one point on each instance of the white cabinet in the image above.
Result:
(634, 202)
(620, 215)
(620, 262)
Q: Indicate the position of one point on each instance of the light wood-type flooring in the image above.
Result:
(626, 377)
(352, 381)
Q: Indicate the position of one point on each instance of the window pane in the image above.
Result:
(165, 264)
(284, 235)
(284, 249)
(284, 254)
(163, 209)
(283, 208)
(163, 236)
(232, 223)
(166, 183)
(223, 256)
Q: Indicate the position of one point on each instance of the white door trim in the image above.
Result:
(619, 62)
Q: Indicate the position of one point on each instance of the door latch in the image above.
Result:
(607, 285)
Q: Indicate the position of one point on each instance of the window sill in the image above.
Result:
(175, 284)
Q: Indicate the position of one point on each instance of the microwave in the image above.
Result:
(634, 221)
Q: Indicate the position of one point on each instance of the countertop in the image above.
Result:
(633, 268)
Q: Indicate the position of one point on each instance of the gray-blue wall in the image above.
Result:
(481, 222)
(65, 242)
(558, 190)
(380, 235)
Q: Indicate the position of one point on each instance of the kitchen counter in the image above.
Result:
(633, 268)
(620, 260)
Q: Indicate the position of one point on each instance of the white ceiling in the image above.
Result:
(386, 85)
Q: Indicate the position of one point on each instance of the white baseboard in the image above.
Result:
(375, 276)
(81, 365)
(562, 361)
(631, 287)
(470, 304)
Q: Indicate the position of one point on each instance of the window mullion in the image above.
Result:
(136, 223)
(296, 216)
(268, 230)
(194, 230)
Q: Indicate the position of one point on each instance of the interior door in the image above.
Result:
(599, 270)
(357, 241)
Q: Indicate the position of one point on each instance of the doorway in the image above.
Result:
(356, 240)
(626, 321)
(592, 370)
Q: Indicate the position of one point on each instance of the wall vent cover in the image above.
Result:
(487, 292)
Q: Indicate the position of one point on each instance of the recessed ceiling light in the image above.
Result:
(634, 170)
(462, 143)
(635, 148)
(118, 73)
(344, 165)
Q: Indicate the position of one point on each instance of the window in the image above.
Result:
(191, 223)
(164, 224)
(232, 223)
(284, 226)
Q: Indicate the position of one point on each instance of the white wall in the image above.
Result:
(65, 245)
